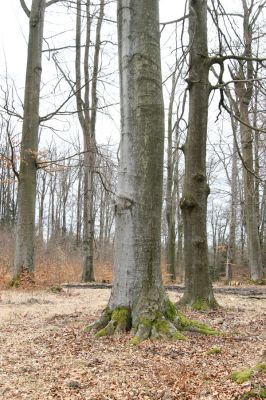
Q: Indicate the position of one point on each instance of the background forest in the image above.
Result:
(75, 152)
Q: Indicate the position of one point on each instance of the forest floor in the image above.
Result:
(45, 353)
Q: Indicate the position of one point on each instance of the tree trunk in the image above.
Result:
(198, 289)
(231, 248)
(244, 92)
(252, 228)
(25, 227)
(137, 278)
(170, 195)
(87, 111)
(88, 218)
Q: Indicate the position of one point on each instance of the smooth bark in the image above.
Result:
(137, 279)
(198, 289)
(25, 226)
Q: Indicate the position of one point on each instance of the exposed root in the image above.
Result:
(157, 329)
(111, 322)
(166, 324)
(191, 325)
(101, 322)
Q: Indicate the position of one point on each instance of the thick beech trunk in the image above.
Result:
(198, 289)
(137, 278)
(25, 226)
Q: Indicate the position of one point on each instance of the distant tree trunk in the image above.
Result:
(244, 92)
(170, 195)
(231, 248)
(87, 111)
(263, 228)
(42, 193)
(79, 206)
(25, 226)
(198, 288)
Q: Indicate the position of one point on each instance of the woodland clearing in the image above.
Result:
(47, 354)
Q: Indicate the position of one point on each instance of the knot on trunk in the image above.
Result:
(187, 202)
(34, 21)
(123, 203)
(199, 177)
(199, 242)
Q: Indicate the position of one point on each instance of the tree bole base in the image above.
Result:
(199, 304)
(167, 325)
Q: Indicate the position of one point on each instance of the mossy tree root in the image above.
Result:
(112, 322)
(199, 304)
(166, 324)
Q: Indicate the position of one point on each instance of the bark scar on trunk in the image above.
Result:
(123, 203)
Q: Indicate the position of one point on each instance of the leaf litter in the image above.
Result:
(47, 354)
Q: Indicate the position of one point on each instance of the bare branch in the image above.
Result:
(51, 2)
(25, 8)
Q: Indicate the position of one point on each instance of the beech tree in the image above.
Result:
(25, 225)
(87, 112)
(26, 198)
(138, 298)
(198, 289)
(244, 87)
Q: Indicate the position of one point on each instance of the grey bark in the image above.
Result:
(25, 226)
(231, 248)
(198, 289)
(137, 279)
(244, 92)
(170, 190)
(87, 111)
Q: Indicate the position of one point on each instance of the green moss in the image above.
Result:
(164, 328)
(179, 336)
(192, 325)
(242, 376)
(146, 322)
(204, 329)
(121, 317)
(15, 282)
(255, 393)
(103, 332)
(170, 310)
(214, 350)
(245, 374)
(56, 289)
(119, 321)
(89, 327)
(182, 320)
(204, 304)
(260, 367)
(262, 392)
(120, 314)
(161, 325)
(135, 340)
(258, 282)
